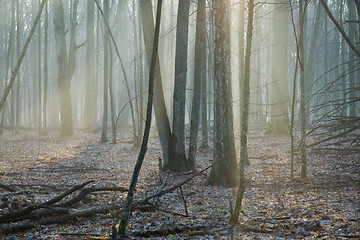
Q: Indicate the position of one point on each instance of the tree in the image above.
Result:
(279, 86)
(302, 12)
(241, 55)
(224, 173)
(199, 77)
(178, 160)
(63, 70)
(19, 61)
(90, 90)
(245, 113)
(46, 68)
(106, 75)
(152, 70)
(161, 116)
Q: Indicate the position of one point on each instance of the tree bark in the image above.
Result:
(199, 77)
(106, 76)
(178, 160)
(63, 71)
(245, 113)
(302, 12)
(162, 119)
(279, 86)
(90, 90)
(225, 173)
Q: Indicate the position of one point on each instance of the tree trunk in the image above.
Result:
(46, 70)
(225, 172)
(177, 160)
(199, 77)
(241, 57)
(162, 119)
(279, 123)
(245, 114)
(302, 12)
(127, 206)
(63, 70)
(106, 75)
(90, 90)
(18, 80)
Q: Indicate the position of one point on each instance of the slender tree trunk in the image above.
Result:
(46, 68)
(106, 75)
(19, 61)
(39, 75)
(112, 99)
(352, 58)
(90, 89)
(127, 206)
(12, 59)
(18, 79)
(244, 121)
(199, 76)
(241, 56)
(302, 12)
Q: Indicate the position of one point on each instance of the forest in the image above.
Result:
(180, 119)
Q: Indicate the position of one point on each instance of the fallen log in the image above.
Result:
(167, 231)
(11, 216)
(16, 227)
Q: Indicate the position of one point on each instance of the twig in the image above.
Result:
(86, 191)
(166, 191)
(184, 201)
(60, 197)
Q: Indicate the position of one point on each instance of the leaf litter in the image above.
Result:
(324, 205)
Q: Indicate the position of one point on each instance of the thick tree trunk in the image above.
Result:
(177, 160)
(225, 172)
(63, 71)
(279, 87)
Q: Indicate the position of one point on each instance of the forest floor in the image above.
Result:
(324, 205)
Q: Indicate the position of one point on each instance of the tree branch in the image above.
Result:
(345, 36)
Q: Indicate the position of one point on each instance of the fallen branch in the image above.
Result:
(163, 192)
(166, 231)
(255, 229)
(87, 191)
(11, 216)
(16, 227)
(333, 137)
(183, 198)
(7, 188)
